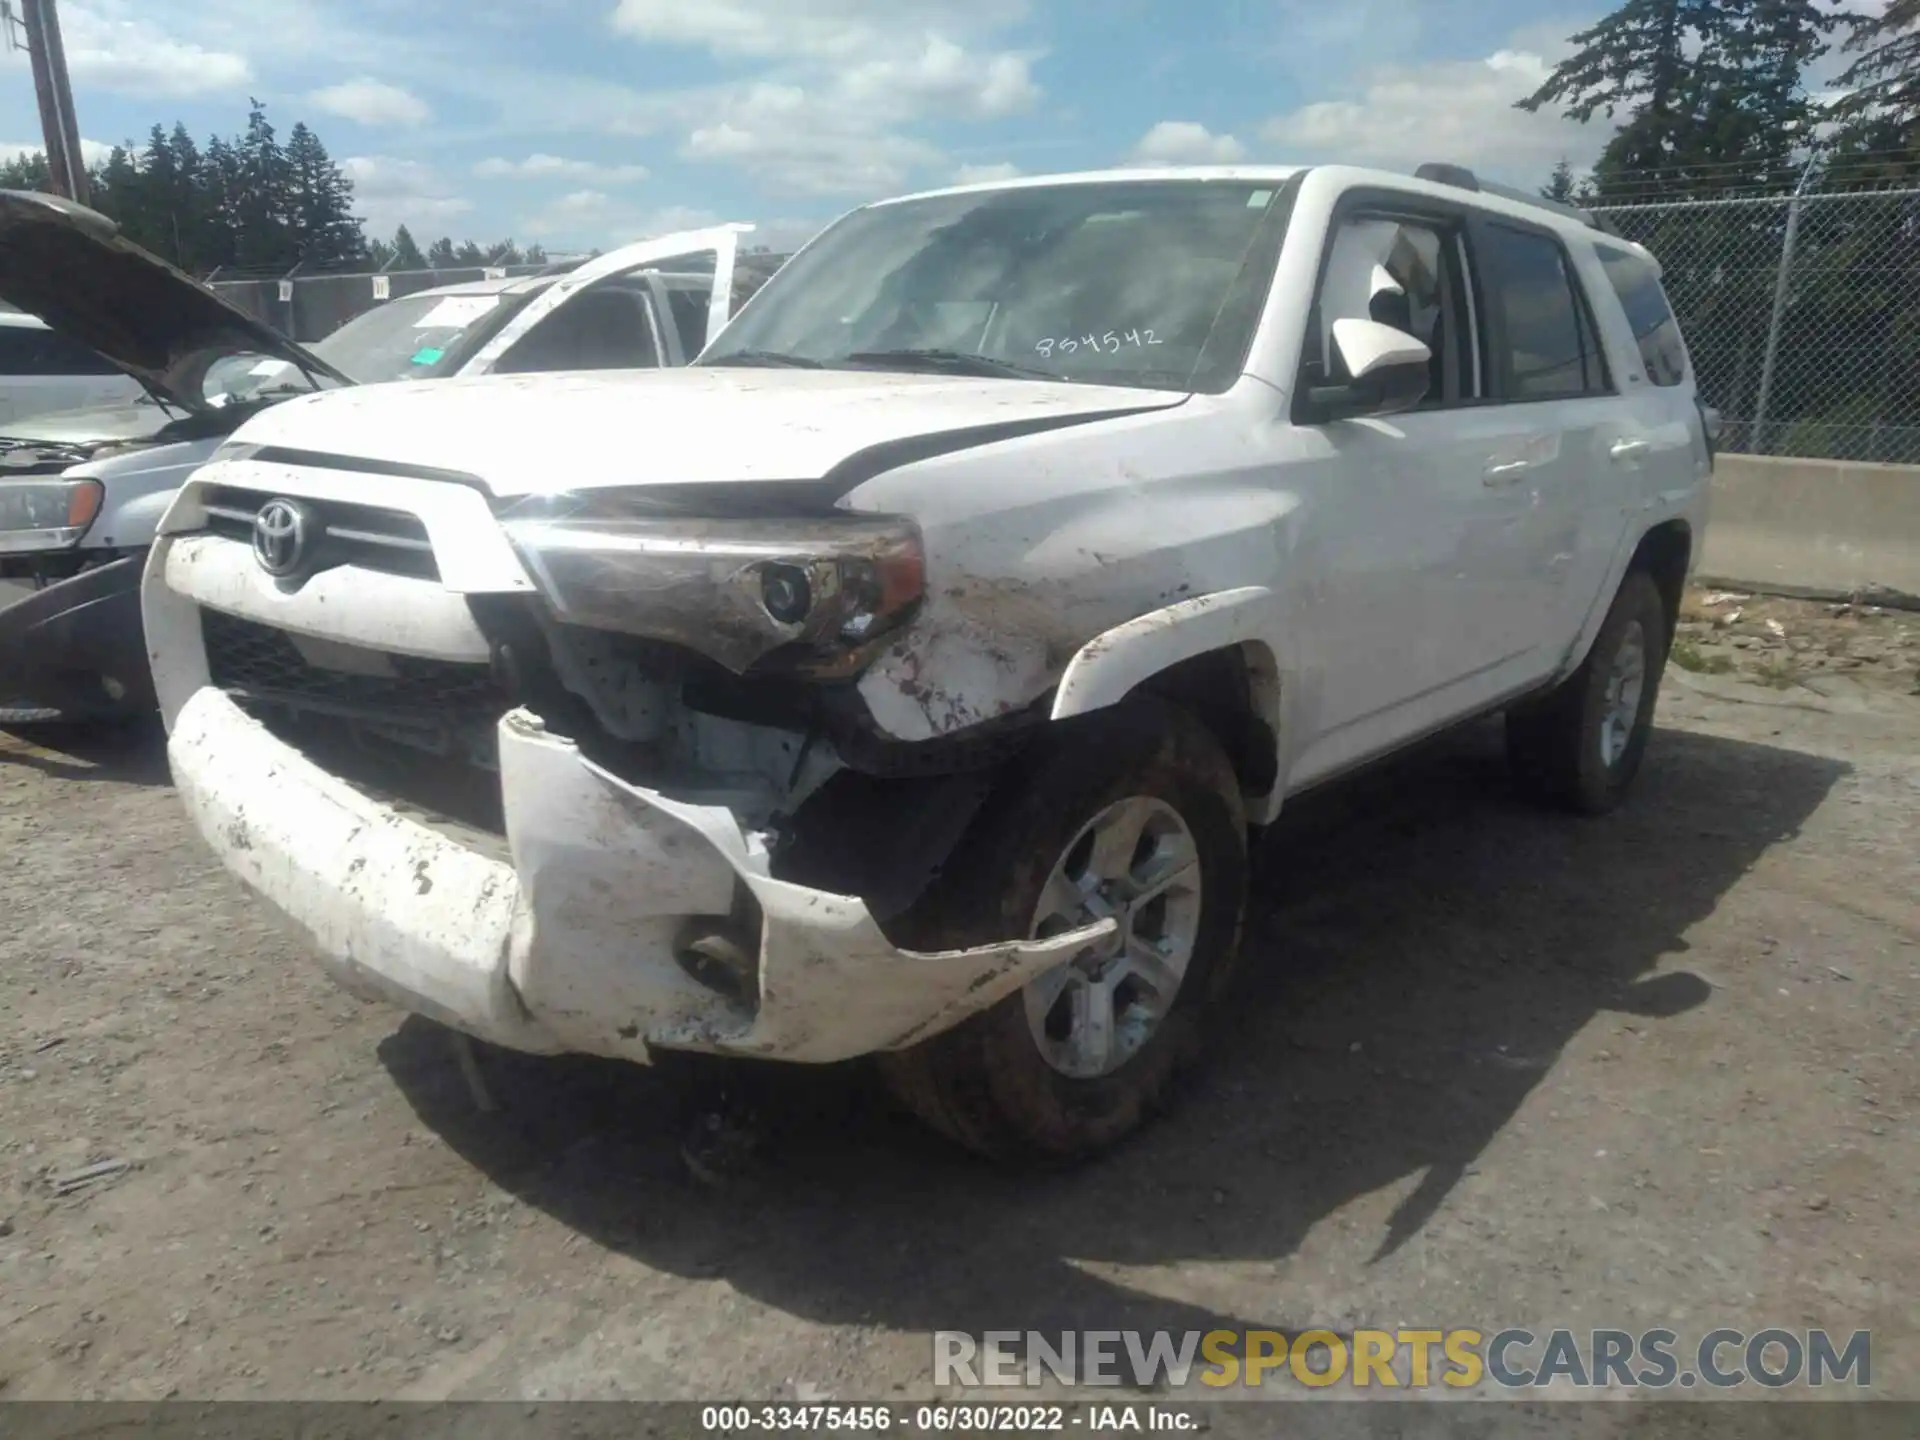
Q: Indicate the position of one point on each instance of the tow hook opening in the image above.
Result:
(723, 952)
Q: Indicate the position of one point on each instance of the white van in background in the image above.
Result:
(41, 371)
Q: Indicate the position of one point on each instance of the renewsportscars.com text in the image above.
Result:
(1511, 1358)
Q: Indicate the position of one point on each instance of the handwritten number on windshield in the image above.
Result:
(1111, 343)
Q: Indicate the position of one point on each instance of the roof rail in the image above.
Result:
(1461, 178)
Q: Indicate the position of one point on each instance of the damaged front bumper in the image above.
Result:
(77, 646)
(574, 939)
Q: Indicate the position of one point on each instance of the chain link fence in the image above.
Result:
(1801, 314)
(307, 308)
(311, 307)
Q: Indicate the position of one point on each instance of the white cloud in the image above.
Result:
(582, 203)
(389, 192)
(372, 102)
(592, 219)
(136, 57)
(831, 30)
(796, 140)
(551, 167)
(942, 77)
(835, 90)
(92, 152)
(984, 174)
(1312, 41)
(1454, 110)
(1186, 142)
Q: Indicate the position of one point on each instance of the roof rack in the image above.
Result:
(1461, 178)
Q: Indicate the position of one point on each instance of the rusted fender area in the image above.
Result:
(611, 874)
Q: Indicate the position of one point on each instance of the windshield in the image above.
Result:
(416, 337)
(1154, 283)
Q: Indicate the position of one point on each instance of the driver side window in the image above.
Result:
(1411, 275)
(606, 328)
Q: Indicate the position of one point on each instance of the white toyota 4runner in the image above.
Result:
(904, 677)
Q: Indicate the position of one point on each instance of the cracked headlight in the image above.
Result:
(801, 595)
(46, 514)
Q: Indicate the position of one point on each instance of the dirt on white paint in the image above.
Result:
(1492, 1067)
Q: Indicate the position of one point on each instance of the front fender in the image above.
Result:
(1112, 664)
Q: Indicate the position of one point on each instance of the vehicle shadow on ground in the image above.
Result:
(132, 752)
(1422, 945)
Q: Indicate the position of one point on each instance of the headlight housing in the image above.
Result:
(808, 596)
(51, 514)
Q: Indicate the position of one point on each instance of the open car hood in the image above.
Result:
(71, 267)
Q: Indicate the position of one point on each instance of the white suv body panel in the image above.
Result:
(1379, 579)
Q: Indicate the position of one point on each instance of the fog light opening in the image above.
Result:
(721, 957)
(786, 593)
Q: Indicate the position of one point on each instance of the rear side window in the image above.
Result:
(1549, 351)
(1654, 329)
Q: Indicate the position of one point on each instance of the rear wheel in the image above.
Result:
(1133, 815)
(1581, 745)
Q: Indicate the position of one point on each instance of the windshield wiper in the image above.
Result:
(951, 362)
(764, 357)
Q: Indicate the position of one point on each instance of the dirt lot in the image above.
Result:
(1493, 1067)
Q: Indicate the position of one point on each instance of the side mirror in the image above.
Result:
(1386, 371)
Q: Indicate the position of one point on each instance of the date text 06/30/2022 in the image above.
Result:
(961, 1418)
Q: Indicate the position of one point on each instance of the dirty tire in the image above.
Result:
(985, 1082)
(1554, 744)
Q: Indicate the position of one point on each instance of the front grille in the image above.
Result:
(256, 663)
(368, 536)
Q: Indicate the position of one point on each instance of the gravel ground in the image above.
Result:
(1493, 1067)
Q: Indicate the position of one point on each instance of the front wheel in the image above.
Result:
(1581, 745)
(1133, 815)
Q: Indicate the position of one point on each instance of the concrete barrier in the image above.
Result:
(1815, 527)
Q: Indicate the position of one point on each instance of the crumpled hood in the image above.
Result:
(71, 267)
(532, 434)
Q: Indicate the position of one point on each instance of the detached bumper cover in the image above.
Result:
(569, 946)
(58, 643)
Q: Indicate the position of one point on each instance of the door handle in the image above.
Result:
(1510, 472)
(1625, 450)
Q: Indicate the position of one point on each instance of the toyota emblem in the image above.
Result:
(281, 532)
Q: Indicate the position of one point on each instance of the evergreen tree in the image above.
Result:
(406, 254)
(1711, 92)
(224, 185)
(247, 202)
(163, 198)
(117, 192)
(320, 203)
(1560, 186)
(192, 220)
(27, 172)
(1881, 111)
(264, 234)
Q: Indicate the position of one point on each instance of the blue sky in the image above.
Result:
(590, 122)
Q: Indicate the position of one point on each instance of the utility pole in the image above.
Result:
(58, 124)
